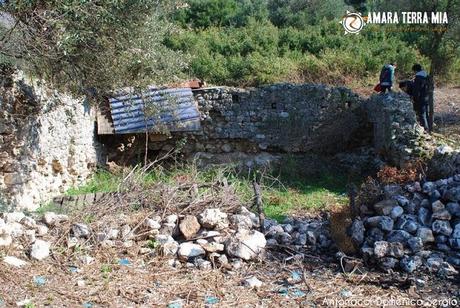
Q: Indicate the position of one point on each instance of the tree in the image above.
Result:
(86, 46)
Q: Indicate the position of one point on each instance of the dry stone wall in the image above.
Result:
(279, 118)
(47, 143)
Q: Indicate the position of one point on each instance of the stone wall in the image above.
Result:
(398, 136)
(281, 118)
(47, 143)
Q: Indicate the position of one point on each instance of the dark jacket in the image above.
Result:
(420, 90)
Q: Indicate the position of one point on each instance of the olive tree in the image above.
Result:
(90, 46)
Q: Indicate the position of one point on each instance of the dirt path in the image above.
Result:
(447, 112)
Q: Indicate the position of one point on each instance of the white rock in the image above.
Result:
(72, 242)
(212, 247)
(13, 261)
(30, 235)
(41, 230)
(24, 302)
(40, 250)
(253, 282)
(171, 219)
(152, 224)
(80, 230)
(15, 229)
(213, 218)
(189, 250)
(51, 218)
(5, 240)
(86, 259)
(126, 233)
(81, 283)
(245, 244)
(13, 217)
(113, 234)
(241, 222)
(168, 245)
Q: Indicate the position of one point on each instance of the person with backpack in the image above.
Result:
(420, 95)
(387, 77)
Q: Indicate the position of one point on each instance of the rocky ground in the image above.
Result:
(447, 112)
(110, 256)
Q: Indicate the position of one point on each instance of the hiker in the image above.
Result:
(387, 76)
(408, 87)
(420, 95)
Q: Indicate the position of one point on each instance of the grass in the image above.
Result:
(289, 193)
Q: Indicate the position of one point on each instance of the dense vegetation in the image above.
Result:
(251, 42)
(87, 45)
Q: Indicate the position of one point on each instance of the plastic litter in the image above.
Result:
(124, 262)
(39, 280)
(211, 300)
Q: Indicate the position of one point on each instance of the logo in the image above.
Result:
(353, 22)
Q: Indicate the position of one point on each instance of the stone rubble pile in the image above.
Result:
(415, 227)
(211, 239)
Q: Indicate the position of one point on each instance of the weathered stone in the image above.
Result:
(428, 187)
(396, 212)
(203, 264)
(253, 282)
(410, 264)
(189, 250)
(392, 190)
(13, 217)
(284, 238)
(213, 218)
(126, 233)
(189, 226)
(171, 219)
(441, 239)
(40, 250)
(424, 217)
(288, 228)
(455, 243)
(388, 263)
(447, 270)
(51, 218)
(453, 208)
(41, 230)
(452, 194)
(400, 236)
(241, 222)
(407, 225)
(383, 222)
(300, 240)
(13, 261)
(442, 227)
(425, 234)
(152, 224)
(384, 207)
(5, 240)
(437, 206)
(374, 235)
(443, 215)
(381, 249)
(357, 232)
(213, 247)
(28, 222)
(80, 230)
(415, 244)
(245, 244)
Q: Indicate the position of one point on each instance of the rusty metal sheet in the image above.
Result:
(155, 109)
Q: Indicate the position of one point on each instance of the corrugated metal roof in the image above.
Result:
(173, 108)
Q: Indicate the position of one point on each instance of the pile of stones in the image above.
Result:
(415, 227)
(211, 239)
